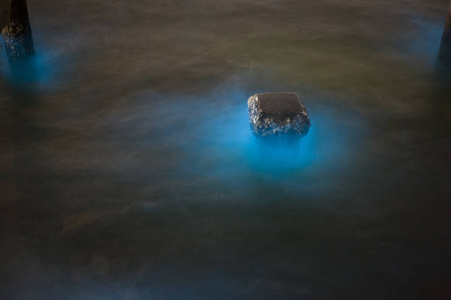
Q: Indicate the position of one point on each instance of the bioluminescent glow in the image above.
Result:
(230, 138)
(208, 138)
(425, 41)
(40, 69)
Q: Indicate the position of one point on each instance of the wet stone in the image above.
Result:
(278, 114)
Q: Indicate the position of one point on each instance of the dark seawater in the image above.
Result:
(129, 171)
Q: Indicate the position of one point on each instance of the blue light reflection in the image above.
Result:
(41, 69)
(218, 142)
(231, 136)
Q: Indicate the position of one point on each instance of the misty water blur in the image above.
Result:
(128, 169)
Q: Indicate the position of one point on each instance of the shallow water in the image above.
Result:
(129, 170)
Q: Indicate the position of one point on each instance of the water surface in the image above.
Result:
(129, 171)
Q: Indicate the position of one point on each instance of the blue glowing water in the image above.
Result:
(40, 70)
(211, 137)
(425, 44)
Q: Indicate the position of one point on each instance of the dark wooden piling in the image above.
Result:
(17, 36)
(444, 55)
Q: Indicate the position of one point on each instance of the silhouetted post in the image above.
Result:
(5, 7)
(17, 36)
(444, 55)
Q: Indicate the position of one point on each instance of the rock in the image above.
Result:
(277, 114)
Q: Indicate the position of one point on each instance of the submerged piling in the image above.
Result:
(19, 41)
(444, 55)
